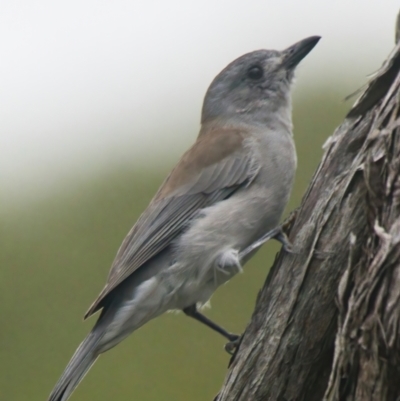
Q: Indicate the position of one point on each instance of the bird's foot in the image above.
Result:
(284, 240)
(232, 345)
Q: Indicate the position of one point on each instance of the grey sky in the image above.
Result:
(89, 83)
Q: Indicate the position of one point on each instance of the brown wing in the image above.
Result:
(210, 171)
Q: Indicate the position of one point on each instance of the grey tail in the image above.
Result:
(80, 363)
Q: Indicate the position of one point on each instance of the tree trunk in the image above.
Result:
(326, 323)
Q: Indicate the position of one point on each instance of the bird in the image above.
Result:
(221, 202)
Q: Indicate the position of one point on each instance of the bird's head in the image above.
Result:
(255, 84)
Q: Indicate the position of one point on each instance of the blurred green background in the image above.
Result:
(55, 256)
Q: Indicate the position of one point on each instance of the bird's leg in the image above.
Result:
(277, 233)
(195, 314)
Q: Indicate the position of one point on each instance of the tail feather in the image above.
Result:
(80, 363)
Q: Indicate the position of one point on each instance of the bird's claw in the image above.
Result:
(232, 345)
(284, 240)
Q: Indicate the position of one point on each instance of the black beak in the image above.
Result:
(295, 53)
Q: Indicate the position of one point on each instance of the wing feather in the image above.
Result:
(177, 202)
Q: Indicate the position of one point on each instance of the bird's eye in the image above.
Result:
(255, 73)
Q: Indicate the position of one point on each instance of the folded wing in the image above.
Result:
(217, 165)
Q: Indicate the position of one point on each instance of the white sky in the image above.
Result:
(90, 83)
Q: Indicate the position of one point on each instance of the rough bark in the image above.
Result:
(326, 323)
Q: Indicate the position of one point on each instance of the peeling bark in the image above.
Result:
(326, 324)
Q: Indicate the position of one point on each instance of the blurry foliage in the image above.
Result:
(55, 258)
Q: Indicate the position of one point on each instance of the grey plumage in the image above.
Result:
(228, 189)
